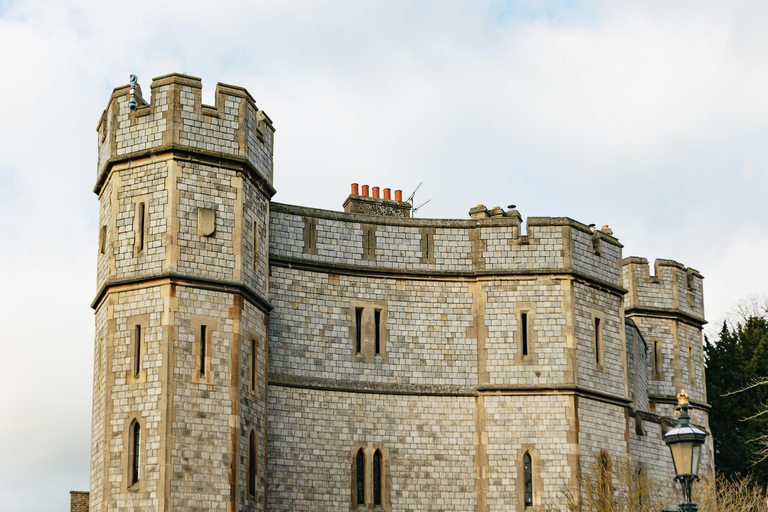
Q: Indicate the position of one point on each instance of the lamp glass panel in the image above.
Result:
(682, 455)
(696, 459)
(674, 460)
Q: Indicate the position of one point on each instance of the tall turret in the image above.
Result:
(180, 374)
(669, 311)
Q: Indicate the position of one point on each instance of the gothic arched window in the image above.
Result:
(528, 479)
(252, 464)
(135, 452)
(377, 478)
(360, 463)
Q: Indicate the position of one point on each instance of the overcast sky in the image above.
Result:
(648, 116)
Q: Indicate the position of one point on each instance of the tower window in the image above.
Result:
(369, 477)
(137, 351)
(135, 475)
(252, 464)
(377, 478)
(528, 479)
(310, 235)
(605, 474)
(358, 330)
(360, 473)
(427, 245)
(103, 239)
(256, 246)
(254, 363)
(598, 341)
(691, 367)
(524, 332)
(368, 336)
(203, 334)
(140, 227)
(656, 361)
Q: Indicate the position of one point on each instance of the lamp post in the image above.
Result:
(685, 442)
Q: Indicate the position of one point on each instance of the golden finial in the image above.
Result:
(682, 398)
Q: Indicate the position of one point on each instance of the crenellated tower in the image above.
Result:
(668, 309)
(180, 374)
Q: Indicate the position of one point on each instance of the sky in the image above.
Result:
(648, 116)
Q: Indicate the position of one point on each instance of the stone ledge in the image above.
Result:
(187, 281)
(400, 273)
(189, 154)
(384, 388)
(674, 314)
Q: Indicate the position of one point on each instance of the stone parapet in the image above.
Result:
(673, 289)
(479, 246)
(176, 119)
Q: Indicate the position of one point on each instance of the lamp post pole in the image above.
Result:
(685, 442)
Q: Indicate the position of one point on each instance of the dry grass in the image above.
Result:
(626, 488)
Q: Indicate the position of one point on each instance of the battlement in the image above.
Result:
(673, 288)
(484, 244)
(233, 130)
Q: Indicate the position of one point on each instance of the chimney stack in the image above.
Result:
(360, 202)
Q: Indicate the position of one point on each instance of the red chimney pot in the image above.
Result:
(355, 189)
(375, 192)
(398, 195)
(387, 193)
(365, 190)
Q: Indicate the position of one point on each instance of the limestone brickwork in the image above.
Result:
(78, 501)
(263, 349)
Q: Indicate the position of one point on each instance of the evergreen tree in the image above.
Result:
(737, 389)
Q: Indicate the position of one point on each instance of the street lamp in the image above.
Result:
(685, 442)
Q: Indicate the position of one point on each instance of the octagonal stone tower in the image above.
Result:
(179, 407)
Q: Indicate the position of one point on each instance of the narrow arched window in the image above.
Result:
(377, 478)
(605, 475)
(252, 464)
(136, 453)
(360, 462)
(528, 479)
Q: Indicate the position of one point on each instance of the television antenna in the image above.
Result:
(411, 199)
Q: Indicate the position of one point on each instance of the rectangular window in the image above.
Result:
(203, 333)
(136, 455)
(256, 246)
(140, 227)
(656, 357)
(253, 365)
(310, 235)
(524, 332)
(358, 330)
(137, 351)
(598, 342)
(691, 367)
(377, 322)
(103, 239)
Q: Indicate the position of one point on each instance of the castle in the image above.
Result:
(251, 355)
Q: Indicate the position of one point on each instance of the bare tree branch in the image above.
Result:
(756, 383)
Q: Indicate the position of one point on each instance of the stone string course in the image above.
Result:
(451, 401)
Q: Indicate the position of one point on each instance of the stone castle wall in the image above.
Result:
(451, 400)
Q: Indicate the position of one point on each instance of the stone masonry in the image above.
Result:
(251, 355)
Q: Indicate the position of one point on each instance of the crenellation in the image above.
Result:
(673, 287)
(175, 119)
